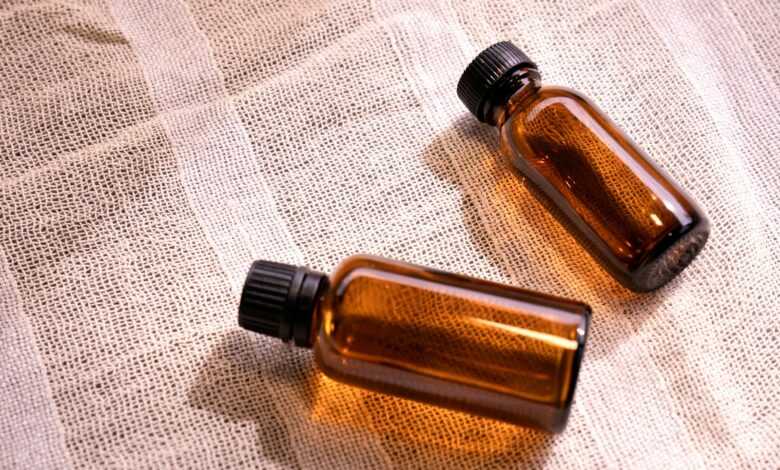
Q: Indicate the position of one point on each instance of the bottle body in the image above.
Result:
(451, 341)
(627, 213)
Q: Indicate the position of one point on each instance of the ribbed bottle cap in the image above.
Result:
(486, 73)
(279, 300)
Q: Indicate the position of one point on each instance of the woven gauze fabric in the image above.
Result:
(151, 150)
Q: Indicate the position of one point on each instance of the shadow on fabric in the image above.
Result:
(326, 417)
(230, 383)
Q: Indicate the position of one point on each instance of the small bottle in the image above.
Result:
(431, 336)
(625, 211)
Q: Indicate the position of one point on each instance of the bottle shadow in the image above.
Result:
(242, 377)
(231, 384)
(520, 235)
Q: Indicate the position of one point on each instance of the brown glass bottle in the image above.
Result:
(625, 211)
(440, 338)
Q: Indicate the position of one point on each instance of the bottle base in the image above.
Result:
(672, 261)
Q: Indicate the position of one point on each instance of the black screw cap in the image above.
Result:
(279, 300)
(486, 73)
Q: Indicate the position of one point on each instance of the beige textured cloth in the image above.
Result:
(151, 150)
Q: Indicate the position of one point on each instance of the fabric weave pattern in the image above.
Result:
(151, 150)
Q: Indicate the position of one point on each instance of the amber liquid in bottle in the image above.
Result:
(445, 339)
(625, 211)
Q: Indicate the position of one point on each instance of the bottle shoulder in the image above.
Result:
(350, 265)
(355, 272)
(549, 95)
(551, 103)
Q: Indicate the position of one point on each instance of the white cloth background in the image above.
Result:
(151, 150)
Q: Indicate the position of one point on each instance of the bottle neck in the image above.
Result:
(313, 324)
(306, 311)
(512, 94)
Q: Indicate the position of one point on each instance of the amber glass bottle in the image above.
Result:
(624, 210)
(441, 338)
